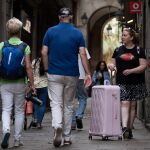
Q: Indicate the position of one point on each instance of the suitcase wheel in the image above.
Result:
(90, 137)
(104, 138)
(120, 138)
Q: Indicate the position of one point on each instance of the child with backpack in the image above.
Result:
(15, 64)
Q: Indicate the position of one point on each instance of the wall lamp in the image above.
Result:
(84, 19)
(109, 28)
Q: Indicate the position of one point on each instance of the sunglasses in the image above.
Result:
(130, 30)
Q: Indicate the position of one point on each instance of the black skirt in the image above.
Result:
(133, 92)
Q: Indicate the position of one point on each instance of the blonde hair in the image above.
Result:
(14, 26)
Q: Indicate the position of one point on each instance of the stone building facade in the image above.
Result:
(43, 14)
(5, 13)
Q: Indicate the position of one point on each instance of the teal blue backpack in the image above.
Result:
(13, 61)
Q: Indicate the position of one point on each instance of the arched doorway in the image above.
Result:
(110, 38)
(96, 26)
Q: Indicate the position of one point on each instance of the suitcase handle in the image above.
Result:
(111, 76)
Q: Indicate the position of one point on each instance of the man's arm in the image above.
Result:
(84, 60)
(44, 53)
(86, 66)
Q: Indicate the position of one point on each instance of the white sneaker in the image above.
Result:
(57, 137)
(18, 143)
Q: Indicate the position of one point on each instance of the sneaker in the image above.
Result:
(130, 136)
(67, 142)
(5, 141)
(57, 137)
(18, 143)
(79, 123)
(125, 132)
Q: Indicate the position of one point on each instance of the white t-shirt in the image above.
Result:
(81, 68)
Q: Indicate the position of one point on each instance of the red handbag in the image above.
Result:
(28, 107)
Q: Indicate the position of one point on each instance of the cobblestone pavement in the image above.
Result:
(35, 139)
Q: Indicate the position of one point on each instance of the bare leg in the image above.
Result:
(132, 114)
(131, 118)
(125, 106)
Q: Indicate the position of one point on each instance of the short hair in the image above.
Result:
(14, 26)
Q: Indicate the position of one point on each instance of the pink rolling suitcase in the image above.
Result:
(105, 112)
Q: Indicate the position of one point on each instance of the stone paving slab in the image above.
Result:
(35, 139)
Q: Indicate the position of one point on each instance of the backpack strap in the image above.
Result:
(22, 45)
(6, 44)
(138, 49)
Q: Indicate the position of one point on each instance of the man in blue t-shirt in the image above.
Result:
(61, 46)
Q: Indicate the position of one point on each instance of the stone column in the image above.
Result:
(3, 6)
(34, 32)
(143, 111)
(147, 46)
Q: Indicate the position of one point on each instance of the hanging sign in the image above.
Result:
(135, 7)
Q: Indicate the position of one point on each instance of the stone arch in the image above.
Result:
(95, 28)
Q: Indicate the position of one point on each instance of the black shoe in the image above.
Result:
(73, 127)
(125, 133)
(79, 123)
(33, 124)
(5, 141)
(130, 136)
